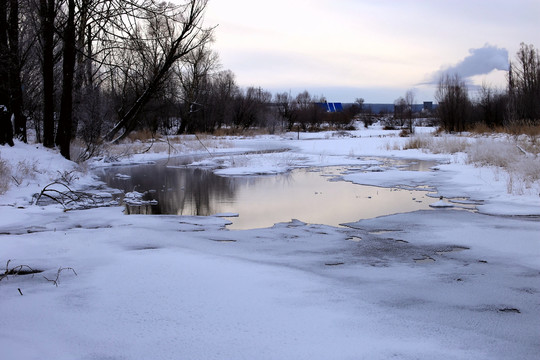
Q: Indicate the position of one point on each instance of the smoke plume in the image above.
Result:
(479, 62)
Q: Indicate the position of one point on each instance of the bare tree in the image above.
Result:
(454, 102)
(194, 75)
(247, 107)
(179, 32)
(409, 100)
(524, 85)
(400, 110)
(285, 107)
(223, 89)
(306, 110)
(491, 106)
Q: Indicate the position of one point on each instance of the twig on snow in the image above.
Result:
(17, 270)
(57, 279)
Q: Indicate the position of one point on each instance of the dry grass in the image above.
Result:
(5, 176)
(144, 135)
(238, 132)
(512, 129)
(227, 132)
(25, 170)
(519, 129)
(481, 129)
(529, 144)
(450, 145)
(522, 170)
(422, 142)
(493, 153)
(437, 145)
(172, 145)
(516, 157)
(393, 146)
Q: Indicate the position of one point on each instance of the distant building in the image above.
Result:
(330, 107)
(426, 106)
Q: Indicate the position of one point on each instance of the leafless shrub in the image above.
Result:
(67, 177)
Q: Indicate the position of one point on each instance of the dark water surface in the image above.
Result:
(310, 195)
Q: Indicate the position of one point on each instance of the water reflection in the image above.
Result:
(312, 197)
(261, 201)
(181, 191)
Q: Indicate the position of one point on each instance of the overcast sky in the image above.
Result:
(345, 49)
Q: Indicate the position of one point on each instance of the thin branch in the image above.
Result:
(56, 280)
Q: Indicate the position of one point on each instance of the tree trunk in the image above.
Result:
(83, 68)
(6, 129)
(63, 134)
(47, 15)
(4, 57)
(15, 72)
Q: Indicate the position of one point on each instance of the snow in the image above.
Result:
(184, 287)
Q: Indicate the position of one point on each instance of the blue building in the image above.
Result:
(330, 107)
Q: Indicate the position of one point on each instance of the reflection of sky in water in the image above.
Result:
(261, 201)
(312, 198)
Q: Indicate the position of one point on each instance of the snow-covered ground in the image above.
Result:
(432, 284)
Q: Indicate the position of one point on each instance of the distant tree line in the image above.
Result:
(303, 113)
(96, 70)
(518, 104)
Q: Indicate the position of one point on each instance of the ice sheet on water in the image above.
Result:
(226, 214)
(441, 204)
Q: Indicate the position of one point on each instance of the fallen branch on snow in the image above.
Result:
(57, 279)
